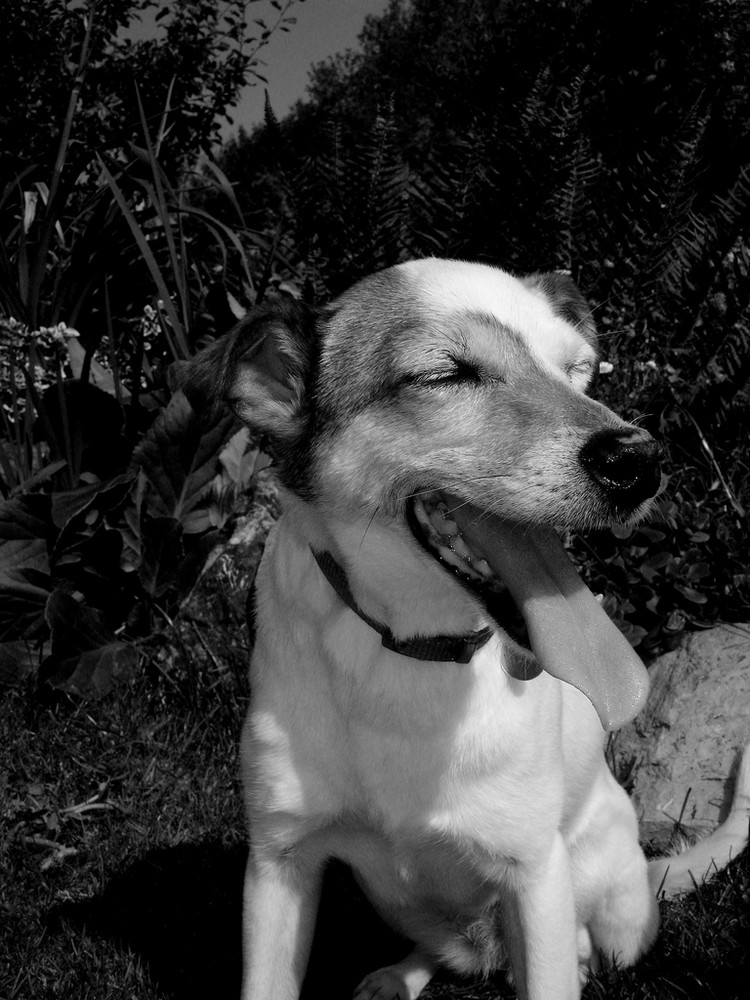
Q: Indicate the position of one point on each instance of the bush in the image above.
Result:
(114, 491)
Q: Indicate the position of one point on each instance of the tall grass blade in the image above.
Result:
(225, 186)
(50, 221)
(179, 349)
(161, 205)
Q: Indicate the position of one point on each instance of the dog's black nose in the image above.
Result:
(625, 462)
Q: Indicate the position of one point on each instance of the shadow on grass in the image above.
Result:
(179, 909)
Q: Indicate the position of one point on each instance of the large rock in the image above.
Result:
(680, 756)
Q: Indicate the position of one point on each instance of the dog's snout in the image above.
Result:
(626, 462)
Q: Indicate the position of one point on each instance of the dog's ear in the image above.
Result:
(260, 369)
(566, 300)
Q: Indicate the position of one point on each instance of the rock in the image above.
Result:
(234, 564)
(218, 607)
(680, 756)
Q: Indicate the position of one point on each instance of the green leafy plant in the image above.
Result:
(114, 493)
(88, 575)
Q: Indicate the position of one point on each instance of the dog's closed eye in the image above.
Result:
(454, 372)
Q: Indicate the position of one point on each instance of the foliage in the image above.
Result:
(87, 572)
(107, 267)
(64, 246)
(197, 57)
(113, 497)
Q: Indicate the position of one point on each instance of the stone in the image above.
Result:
(679, 758)
(219, 607)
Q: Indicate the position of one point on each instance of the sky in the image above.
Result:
(323, 28)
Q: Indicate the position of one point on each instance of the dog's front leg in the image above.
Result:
(280, 905)
(539, 927)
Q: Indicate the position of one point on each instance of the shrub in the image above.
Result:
(114, 491)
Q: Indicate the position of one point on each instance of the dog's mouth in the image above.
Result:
(570, 634)
(432, 520)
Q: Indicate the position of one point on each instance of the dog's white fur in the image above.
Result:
(477, 810)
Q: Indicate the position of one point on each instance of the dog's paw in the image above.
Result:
(385, 984)
(403, 981)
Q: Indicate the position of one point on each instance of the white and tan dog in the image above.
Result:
(431, 427)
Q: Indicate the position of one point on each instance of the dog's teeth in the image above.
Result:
(450, 557)
(459, 546)
(421, 513)
(442, 524)
(599, 598)
(447, 527)
(483, 567)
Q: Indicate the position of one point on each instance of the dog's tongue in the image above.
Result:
(571, 635)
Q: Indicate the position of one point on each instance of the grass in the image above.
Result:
(122, 850)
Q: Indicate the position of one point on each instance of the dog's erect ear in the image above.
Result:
(566, 300)
(259, 369)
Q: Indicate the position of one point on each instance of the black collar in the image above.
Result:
(444, 648)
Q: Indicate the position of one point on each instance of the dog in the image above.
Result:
(430, 429)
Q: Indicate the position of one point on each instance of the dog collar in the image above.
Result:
(442, 648)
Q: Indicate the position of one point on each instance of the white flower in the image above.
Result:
(606, 367)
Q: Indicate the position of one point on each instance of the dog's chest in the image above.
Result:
(434, 766)
(345, 734)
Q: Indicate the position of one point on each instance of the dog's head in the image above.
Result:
(437, 376)
(440, 407)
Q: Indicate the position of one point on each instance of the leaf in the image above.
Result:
(130, 527)
(24, 588)
(25, 581)
(675, 622)
(621, 531)
(93, 673)
(694, 596)
(98, 374)
(18, 660)
(698, 571)
(45, 473)
(86, 658)
(178, 455)
(30, 199)
(69, 504)
(652, 534)
(161, 555)
(658, 561)
(24, 517)
(225, 187)
(239, 462)
(198, 521)
(651, 566)
(633, 633)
